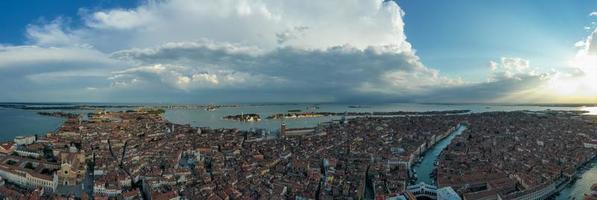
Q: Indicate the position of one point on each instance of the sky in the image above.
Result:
(237, 51)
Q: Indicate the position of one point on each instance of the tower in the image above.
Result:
(283, 129)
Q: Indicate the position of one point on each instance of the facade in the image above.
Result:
(24, 140)
(538, 193)
(447, 193)
(27, 179)
(26, 153)
(8, 148)
(283, 130)
(591, 144)
(593, 194)
(432, 192)
(72, 168)
(101, 189)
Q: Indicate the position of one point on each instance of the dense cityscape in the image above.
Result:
(137, 154)
(298, 100)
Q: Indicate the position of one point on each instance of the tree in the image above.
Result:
(29, 166)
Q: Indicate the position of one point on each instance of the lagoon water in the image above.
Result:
(15, 122)
(202, 118)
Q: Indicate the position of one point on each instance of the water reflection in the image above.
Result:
(591, 110)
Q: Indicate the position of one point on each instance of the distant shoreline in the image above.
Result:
(79, 105)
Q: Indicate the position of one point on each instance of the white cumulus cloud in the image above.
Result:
(241, 50)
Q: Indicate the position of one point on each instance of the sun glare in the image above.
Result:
(590, 110)
(579, 87)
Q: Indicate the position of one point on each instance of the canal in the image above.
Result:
(576, 190)
(425, 168)
(582, 185)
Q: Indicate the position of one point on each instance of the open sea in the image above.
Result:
(15, 122)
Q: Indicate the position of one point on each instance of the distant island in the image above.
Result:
(59, 114)
(244, 117)
(359, 106)
(325, 114)
(90, 106)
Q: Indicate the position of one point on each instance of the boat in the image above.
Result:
(593, 194)
(358, 106)
(312, 107)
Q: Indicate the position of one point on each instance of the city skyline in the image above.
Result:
(295, 51)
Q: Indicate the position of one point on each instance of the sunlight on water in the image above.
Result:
(591, 110)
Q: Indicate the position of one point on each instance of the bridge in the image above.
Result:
(426, 191)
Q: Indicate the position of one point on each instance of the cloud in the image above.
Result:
(510, 68)
(590, 44)
(523, 89)
(186, 78)
(586, 57)
(38, 59)
(36, 73)
(293, 33)
(265, 47)
(243, 51)
(341, 71)
(266, 24)
(510, 80)
(593, 14)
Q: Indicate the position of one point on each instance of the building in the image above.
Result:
(8, 148)
(539, 192)
(27, 153)
(591, 144)
(298, 131)
(593, 194)
(24, 140)
(283, 129)
(447, 193)
(72, 168)
(101, 188)
(27, 178)
(423, 190)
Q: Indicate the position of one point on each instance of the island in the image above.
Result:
(244, 117)
(59, 114)
(91, 107)
(295, 115)
(137, 154)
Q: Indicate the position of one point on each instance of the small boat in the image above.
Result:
(312, 107)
